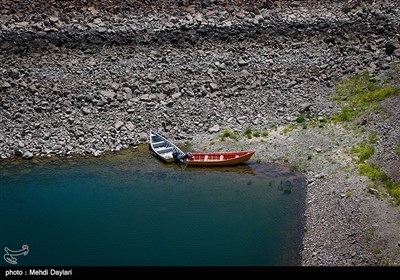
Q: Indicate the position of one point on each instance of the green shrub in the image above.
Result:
(288, 128)
(345, 115)
(375, 174)
(300, 118)
(265, 134)
(363, 151)
(248, 132)
(227, 133)
(373, 138)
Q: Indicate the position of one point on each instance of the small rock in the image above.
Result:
(97, 153)
(18, 152)
(291, 84)
(305, 107)
(6, 46)
(23, 23)
(115, 86)
(373, 191)
(244, 73)
(142, 137)
(85, 110)
(53, 19)
(127, 90)
(102, 29)
(6, 85)
(214, 128)
(213, 87)
(118, 125)
(390, 47)
(93, 11)
(108, 94)
(242, 62)
(27, 155)
(130, 126)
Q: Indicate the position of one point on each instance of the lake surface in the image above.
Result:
(130, 209)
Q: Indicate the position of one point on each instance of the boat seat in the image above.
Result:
(205, 157)
(163, 150)
(158, 144)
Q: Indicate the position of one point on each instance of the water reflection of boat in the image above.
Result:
(241, 169)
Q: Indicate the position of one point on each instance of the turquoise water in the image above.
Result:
(130, 209)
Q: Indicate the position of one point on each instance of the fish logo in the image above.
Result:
(10, 255)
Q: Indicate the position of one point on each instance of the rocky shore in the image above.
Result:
(95, 77)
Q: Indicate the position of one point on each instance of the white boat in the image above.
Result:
(163, 148)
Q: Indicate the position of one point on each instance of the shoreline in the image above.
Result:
(91, 81)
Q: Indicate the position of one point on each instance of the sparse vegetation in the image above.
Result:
(288, 128)
(188, 144)
(373, 138)
(376, 250)
(300, 118)
(370, 233)
(248, 132)
(363, 151)
(386, 261)
(398, 150)
(371, 171)
(359, 94)
(348, 193)
(345, 115)
(227, 133)
(265, 134)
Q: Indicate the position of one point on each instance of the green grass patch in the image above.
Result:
(371, 171)
(363, 151)
(345, 115)
(373, 138)
(248, 132)
(288, 128)
(264, 134)
(227, 133)
(300, 118)
(376, 250)
(360, 93)
(256, 134)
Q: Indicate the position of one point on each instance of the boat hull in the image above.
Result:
(219, 158)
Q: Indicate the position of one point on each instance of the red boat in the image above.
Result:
(219, 158)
